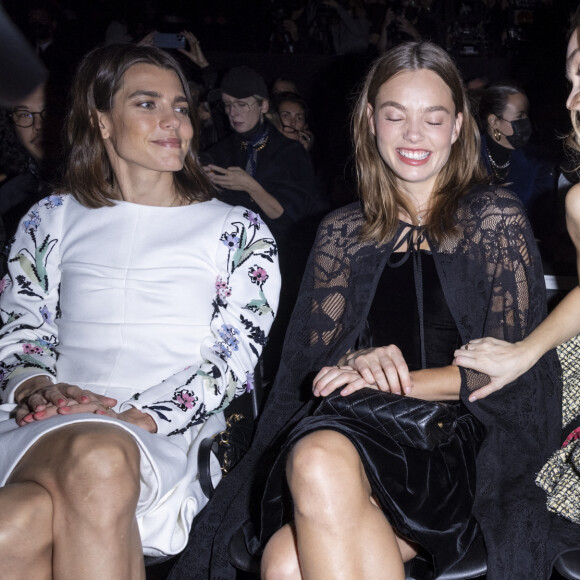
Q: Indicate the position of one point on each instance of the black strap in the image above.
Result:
(204, 466)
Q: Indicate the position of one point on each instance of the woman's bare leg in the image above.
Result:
(341, 532)
(91, 472)
(25, 532)
(280, 558)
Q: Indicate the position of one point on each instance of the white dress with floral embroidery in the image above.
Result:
(165, 309)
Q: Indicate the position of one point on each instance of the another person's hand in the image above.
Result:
(502, 361)
(291, 28)
(148, 39)
(389, 17)
(194, 53)
(37, 398)
(231, 178)
(383, 366)
(407, 27)
(306, 138)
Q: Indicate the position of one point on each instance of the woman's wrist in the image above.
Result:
(30, 386)
(529, 352)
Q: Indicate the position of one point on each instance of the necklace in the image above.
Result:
(500, 172)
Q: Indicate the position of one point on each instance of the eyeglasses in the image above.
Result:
(239, 106)
(25, 118)
(290, 130)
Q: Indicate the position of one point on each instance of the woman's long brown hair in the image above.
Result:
(377, 183)
(89, 175)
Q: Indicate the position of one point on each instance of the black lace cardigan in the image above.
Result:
(491, 275)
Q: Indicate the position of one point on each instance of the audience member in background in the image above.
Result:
(28, 154)
(283, 85)
(289, 27)
(349, 27)
(257, 167)
(293, 112)
(406, 20)
(58, 43)
(506, 130)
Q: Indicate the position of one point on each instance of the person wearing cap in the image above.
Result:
(259, 168)
(256, 166)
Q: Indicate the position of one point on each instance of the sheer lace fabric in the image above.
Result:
(492, 278)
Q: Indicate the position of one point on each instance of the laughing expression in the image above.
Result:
(415, 124)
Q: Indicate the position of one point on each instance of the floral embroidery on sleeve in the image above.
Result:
(243, 309)
(29, 292)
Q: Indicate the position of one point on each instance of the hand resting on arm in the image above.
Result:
(385, 369)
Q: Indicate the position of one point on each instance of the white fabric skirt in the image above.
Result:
(170, 496)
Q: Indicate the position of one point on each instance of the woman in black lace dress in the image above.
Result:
(429, 258)
(394, 285)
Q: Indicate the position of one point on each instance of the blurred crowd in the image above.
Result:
(302, 103)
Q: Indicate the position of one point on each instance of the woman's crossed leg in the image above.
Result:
(68, 509)
(339, 531)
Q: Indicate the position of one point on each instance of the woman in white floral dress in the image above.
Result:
(134, 310)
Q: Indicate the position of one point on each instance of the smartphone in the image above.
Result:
(169, 40)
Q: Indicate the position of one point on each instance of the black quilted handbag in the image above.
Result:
(409, 421)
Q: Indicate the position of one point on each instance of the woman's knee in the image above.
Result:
(322, 466)
(280, 558)
(84, 458)
(26, 522)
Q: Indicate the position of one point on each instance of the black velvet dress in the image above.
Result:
(426, 495)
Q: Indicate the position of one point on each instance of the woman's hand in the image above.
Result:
(383, 366)
(35, 396)
(331, 378)
(502, 361)
(231, 178)
(306, 139)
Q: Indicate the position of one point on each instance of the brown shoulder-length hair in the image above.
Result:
(573, 140)
(377, 183)
(89, 174)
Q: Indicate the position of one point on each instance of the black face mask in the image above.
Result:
(522, 133)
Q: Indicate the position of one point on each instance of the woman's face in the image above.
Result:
(415, 124)
(292, 115)
(573, 72)
(243, 114)
(31, 137)
(148, 127)
(517, 107)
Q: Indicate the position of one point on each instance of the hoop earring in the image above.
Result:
(497, 135)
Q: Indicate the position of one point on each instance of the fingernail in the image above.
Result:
(407, 390)
(472, 399)
(61, 402)
(84, 399)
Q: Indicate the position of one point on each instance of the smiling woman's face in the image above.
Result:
(415, 124)
(148, 127)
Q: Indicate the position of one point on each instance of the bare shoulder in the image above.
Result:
(573, 204)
